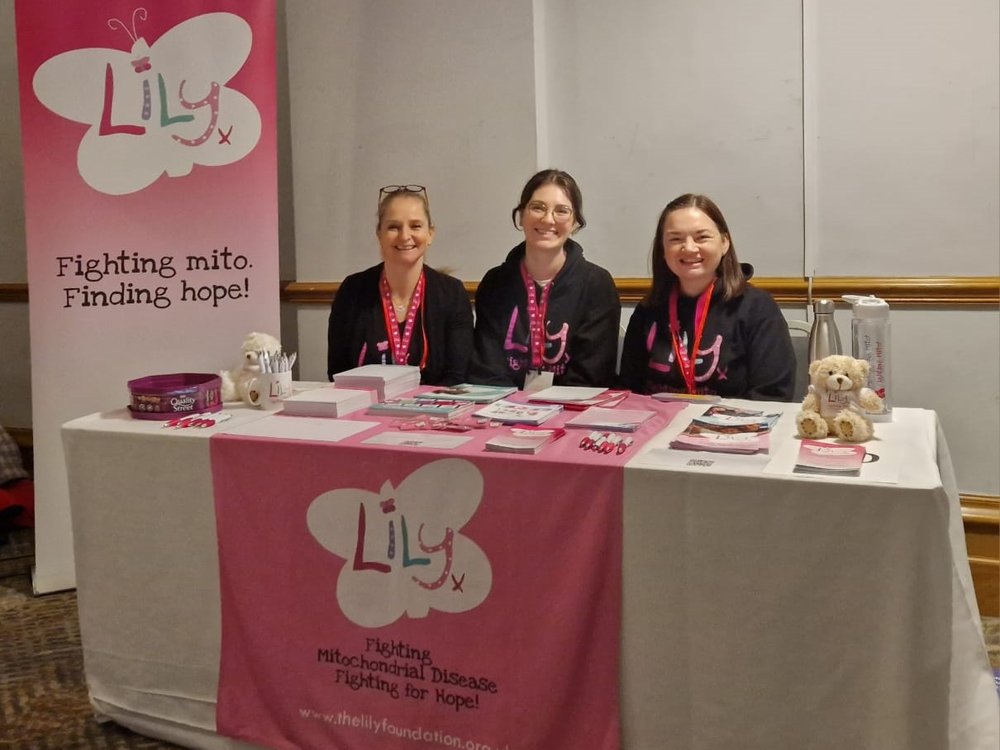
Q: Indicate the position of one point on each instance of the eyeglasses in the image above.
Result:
(540, 210)
(385, 192)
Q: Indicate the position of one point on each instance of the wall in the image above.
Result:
(840, 139)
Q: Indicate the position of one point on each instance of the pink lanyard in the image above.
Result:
(685, 362)
(401, 346)
(536, 317)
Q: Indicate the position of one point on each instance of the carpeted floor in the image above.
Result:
(43, 698)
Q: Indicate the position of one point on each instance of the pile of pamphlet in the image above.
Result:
(613, 420)
(816, 457)
(528, 440)
(407, 407)
(577, 397)
(388, 381)
(326, 401)
(510, 412)
(728, 429)
(478, 394)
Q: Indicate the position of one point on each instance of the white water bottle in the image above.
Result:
(870, 341)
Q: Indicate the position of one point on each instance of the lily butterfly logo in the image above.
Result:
(155, 109)
(403, 547)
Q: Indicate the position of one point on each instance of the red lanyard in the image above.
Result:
(685, 362)
(536, 317)
(401, 345)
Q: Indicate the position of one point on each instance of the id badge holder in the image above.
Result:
(537, 380)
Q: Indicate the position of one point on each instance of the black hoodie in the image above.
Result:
(582, 324)
(745, 351)
(356, 333)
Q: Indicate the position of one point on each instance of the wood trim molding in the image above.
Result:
(913, 291)
(981, 510)
(14, 292)
(23, 436)
(917, 291)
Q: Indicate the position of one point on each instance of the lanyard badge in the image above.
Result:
(401, 344)
(684, 361)
(537, 312)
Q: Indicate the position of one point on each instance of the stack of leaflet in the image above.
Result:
(728, 429)
(326, 401)
(612, 420)
(388, 381)
(408, 407)
(816, 457)
(576, 397)
(529, 440)
(478, 394)
(510, 412)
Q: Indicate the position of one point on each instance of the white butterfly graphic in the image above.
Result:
(402, 546)
(156, 109)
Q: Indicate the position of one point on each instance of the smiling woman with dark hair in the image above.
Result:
(703, 328)
(546, 314)
(402, 311)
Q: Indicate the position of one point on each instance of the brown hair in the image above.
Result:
(551, 177)
(729, 270)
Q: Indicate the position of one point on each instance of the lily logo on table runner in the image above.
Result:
(403, 550)
(158, 108)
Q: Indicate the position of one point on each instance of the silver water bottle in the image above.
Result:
(824, 338)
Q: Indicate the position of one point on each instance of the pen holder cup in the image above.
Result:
(268, 390)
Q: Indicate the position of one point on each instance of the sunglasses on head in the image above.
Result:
(384, 192)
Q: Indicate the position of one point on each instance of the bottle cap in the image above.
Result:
(824, 306)
(868, 307)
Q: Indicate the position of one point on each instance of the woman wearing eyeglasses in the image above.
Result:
(546, 315)
(703, 329)
(402, 311)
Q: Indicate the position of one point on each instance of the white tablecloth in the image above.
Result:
(759, 611)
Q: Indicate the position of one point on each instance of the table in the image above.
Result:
(757, 611)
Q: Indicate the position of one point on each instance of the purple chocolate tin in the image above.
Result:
(167, 396)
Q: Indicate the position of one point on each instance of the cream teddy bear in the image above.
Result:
(837, 400)
(234, 381)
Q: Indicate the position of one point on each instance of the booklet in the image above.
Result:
(480, 394)
(614, 420)
(578, 397)
(733, 419)
(510, 412)
(524, 439)
(816, 457)
(728, 429)
(405, 407)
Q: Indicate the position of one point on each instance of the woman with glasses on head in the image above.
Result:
(401, 311)
(703, 329)
(546, 315)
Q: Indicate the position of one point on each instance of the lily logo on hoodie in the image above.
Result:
(709, 355)
(517, 353)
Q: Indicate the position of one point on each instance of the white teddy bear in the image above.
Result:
(234, 381)
(837, 400)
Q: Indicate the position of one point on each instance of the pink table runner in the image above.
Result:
(402, 598)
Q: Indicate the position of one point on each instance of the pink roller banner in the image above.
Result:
(150, 179)
(395, 598)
